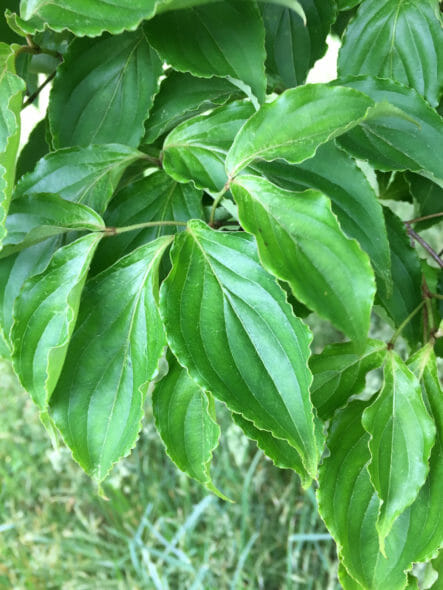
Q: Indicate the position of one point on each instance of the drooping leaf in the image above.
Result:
(229, 323)
(340, 371)
(300, 241)
(219, 39)
(333, 172)
(401, 437)
(292, 46)
(185, 419)
(399, 40)
(35, 218)
(396, 143)
(406, 293)
(196, 150)
(11, 91)
(296, 123)
(281, 453)
(45, 313)
(182, 96)
(154, 198)
(87, 175)
(103, 91)
(113, 354)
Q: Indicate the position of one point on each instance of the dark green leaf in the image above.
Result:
(196, 150)
(428, 197)
(182, 96)
(35, 218)
(185, 419)
(340, 372)
(103, 91)
(44, 318)
(113, 354)
(299, 237)
(229, 323)
(35, 148)
(85, 175)
(398, 40)
(347, 4)
(220, 39)
(401, 437)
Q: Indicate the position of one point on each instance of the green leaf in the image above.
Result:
(11, 91)
(395, 143)
(113, 354)
(35, 218)
(229, 324)
(292, 46)
(398, 40)
(45, 313)
(186, 421)
(406, 294)
(347, 4)
(340, 372)
(196, 150)
(154, 198)
(282, 454)
(401, 437)
(103, 91)
(35, 148)
(333, 172)
(428, 197)
(298, 236)
(224, 39)
(182, 96)
(312, 115)
(86, 175)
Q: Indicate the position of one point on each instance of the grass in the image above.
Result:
(158, 529)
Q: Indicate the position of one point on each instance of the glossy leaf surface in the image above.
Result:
(113, 354)
(298, 237)
(229, 323)
(103, 91)
(44, 318)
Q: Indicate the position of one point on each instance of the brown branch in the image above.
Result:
(34, 95)
(424, 244)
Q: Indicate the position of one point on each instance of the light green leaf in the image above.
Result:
(224, 39)
(186, 421)
(113, 354)
(33, 219)
(292, 46)
(182, 96)
(87, 175)
(154, 198)
(296, 123)
(340, 372)
(11, 91)
(196, 150)
(395, 143)
(401, 437)
(45, 313)
(282, 454)
(406, 294)
(399, 40)
(229, 324)
(333, 172)
(300, 241)
(103, 91)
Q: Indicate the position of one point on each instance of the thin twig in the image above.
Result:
(424, 218)
(34, 95)
(425, 245)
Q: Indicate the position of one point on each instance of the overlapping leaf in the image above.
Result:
(229, 323)
(87, 175)
(401, 437)
(11, 90)
(333, 172)
(399, 40)
(35, 218)
(185, 419)
(196, 150)
(113, 354)
(428, 197)
(300, 241)
(103, 91)
(44, 318)
(340, 372)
